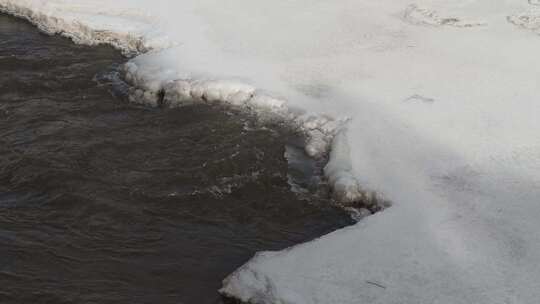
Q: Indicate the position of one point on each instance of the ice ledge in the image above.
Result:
(325, 135)
(45, 19)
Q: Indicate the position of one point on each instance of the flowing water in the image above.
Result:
(102, 201)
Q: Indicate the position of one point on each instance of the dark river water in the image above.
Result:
(102, 201)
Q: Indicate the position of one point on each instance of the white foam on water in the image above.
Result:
(430, 104)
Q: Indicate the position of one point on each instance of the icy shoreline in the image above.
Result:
(78, 32)
(441, 98)
(156, 86)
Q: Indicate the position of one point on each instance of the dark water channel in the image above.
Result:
(102, 201)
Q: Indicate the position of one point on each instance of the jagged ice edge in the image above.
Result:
(325, 135)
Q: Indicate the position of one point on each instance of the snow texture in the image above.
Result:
(430, 104)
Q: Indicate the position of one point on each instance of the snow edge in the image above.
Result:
(325, 135)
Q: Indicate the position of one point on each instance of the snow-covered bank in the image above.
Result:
(442, 100)
(159, 80)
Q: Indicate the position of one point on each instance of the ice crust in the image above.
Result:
(132, 28)
(430, 104)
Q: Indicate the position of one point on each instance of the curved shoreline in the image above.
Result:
(83, 122)
(442, 99)
(325, 136)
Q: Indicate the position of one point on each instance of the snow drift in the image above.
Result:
(430, 103)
